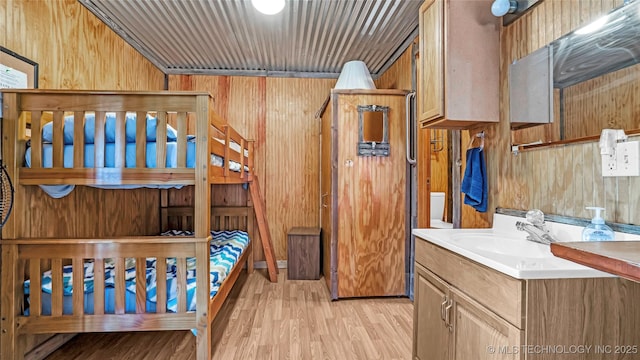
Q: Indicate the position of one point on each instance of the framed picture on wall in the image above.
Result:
(17, 72)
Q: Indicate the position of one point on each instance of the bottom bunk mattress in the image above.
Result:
(225, 250)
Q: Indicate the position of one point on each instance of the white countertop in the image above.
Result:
(506, 249)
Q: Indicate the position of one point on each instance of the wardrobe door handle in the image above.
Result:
(410, 141)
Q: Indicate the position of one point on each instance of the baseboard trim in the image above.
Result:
(282, 264)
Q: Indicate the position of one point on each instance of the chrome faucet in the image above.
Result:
(537, 231)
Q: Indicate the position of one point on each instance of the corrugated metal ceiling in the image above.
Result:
(309, 38)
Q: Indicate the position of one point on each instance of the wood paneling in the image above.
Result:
(279, 113)
(424, 164)
(584, 307)
(552, 179)
(293, 155)
(470, 218)
(75, 50)
(433, 167)
(4, 16)
(398, 76)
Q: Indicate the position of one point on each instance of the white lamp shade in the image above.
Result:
(268, 7)
(355, 75)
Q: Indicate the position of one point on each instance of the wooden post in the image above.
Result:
(9, 348)
(202, 228)
(10, 155)
(203, 318)
(202, 193)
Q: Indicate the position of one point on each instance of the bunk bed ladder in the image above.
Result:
(263, 228)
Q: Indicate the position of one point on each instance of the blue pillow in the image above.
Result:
(110, 129)
(47, 131)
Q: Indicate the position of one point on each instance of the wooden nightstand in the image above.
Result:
(303, 253)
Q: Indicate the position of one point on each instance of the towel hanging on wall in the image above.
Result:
(474, 183)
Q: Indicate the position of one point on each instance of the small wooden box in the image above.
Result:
(303, 253)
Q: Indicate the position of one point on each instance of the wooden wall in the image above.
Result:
(279, 113)
(560, 180)
(75, 50)
(432, 166)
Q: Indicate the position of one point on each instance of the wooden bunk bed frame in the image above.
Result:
(21, 254)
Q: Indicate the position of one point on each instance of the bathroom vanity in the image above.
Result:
(491, 294)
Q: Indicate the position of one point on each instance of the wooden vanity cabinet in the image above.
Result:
(465, 310)
(478, 333)
(449, 324)
(431, 298)
(459, 64)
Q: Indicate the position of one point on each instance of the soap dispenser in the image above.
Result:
(597, 230)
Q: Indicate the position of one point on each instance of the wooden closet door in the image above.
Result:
(371, 204)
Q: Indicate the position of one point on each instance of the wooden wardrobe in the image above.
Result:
(363, 193)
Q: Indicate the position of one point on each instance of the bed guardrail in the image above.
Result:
(101, 120)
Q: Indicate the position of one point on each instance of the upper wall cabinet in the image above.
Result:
(459, 64)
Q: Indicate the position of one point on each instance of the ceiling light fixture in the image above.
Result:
(268, 7)
(503, 7)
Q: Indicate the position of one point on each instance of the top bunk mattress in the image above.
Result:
(58, 191)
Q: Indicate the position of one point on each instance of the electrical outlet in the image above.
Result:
(625, 161)
(609, 165)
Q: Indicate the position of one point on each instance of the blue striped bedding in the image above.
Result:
(225, 250)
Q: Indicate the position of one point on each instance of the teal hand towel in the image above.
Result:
(474, 183)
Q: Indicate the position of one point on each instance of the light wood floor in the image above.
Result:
(261, 320)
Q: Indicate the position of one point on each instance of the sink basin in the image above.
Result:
(505, 249)
(492, 244)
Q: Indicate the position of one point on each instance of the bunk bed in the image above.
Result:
(88, 142)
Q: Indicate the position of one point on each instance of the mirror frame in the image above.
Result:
(371, 148)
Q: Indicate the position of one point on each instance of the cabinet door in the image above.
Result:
(480, 334)
(431, 81)
(431, 335)
(531, 89)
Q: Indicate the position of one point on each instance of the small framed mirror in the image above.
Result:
(373, 130)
